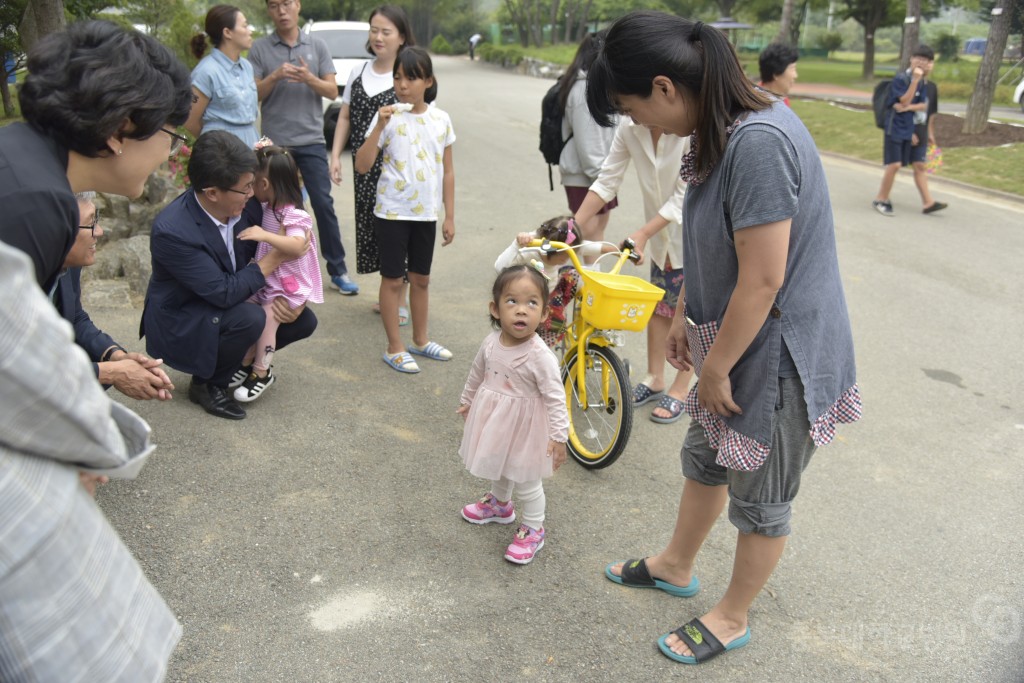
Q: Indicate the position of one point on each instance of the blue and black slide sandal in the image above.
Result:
(702, 643)
(636, 575)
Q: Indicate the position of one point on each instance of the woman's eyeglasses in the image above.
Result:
(95, 222)
(176, 141)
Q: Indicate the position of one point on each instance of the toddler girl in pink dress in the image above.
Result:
(514, 407)
(285, 227)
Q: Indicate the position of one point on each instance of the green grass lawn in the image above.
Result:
(853, 133)
(955, 79)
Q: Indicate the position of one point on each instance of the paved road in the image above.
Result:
(319, 539)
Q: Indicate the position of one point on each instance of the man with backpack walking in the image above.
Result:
(906, 118)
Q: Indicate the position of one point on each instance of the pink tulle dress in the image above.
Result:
(517, 404)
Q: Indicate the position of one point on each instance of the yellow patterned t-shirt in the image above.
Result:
(412, 173)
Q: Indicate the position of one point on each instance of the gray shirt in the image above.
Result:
(292, 114)
(771, 172)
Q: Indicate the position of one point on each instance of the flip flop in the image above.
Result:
(402, 362)
(644, 394)
(673, 405)
(702, 643)
(431, 350)
(636, 575)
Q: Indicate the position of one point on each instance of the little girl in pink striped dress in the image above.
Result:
(286, 227)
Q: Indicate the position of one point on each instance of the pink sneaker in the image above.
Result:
(525, 545)
(488, 510)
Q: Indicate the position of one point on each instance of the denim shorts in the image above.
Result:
(904, 153)
(760, 501)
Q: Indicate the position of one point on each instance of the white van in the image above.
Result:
(346, 41)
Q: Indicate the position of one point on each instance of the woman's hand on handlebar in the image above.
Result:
(639, 244)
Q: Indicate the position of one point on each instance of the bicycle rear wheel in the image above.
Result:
(598, 432)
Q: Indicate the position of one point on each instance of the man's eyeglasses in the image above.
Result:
(273, 7)
(95, 222)
(245, 191)
(176, 141)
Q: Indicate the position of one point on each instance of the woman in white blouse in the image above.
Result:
(656, 156)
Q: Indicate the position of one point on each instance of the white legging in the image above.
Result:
(531, 499)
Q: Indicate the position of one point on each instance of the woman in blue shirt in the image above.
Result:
(223, 81)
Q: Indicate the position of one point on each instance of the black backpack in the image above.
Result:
(551, 142)
(878, 101)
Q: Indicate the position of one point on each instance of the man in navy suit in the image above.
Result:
(132, 373)
(196, 316)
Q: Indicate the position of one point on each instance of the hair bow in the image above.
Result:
(262, 143)
(570, 232)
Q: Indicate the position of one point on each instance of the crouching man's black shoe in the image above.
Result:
(216, 401)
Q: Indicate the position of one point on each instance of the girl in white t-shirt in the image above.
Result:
(417, 178)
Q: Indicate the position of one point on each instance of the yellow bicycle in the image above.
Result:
(597, 389)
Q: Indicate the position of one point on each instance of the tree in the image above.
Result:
(11, 13)
(911, 32)
(980, 102)
(872, 15)
(785, 34)
(41, 17)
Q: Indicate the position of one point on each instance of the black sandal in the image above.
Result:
(702, 643)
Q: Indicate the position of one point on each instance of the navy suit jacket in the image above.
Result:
(68, 299)
(193, 282)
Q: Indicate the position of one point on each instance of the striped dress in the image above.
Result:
(297, 280)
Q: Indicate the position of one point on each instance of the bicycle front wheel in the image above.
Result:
(599, 426)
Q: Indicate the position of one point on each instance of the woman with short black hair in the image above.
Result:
(762, 317)
(101, 105)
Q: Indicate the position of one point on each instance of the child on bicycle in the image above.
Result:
(514, 407)
(557, 265)
(655, 155)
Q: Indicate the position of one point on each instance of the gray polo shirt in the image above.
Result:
(292, 113)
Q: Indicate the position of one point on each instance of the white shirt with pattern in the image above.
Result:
(411, 179)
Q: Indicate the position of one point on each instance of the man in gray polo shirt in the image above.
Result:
(293, 71)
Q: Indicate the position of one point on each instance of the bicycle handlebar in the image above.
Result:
(552, 247)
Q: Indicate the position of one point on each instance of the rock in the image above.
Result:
(106, 294)
(128, 259)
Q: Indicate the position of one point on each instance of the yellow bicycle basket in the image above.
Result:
(618, 302)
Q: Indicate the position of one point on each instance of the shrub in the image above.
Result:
(504, 55)
(830, 42)
(440, 46)
(948, 47)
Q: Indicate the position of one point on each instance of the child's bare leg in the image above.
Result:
(921, 180)
(390, 291)
(657, 334)
(888, 178)
(263, 351)
(419, 303)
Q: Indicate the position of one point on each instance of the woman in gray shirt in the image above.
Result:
(762, 318)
